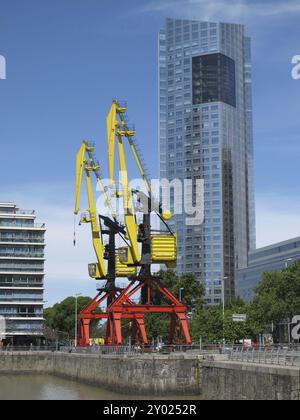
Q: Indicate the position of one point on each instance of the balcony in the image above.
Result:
(24, 212)
(6, 266)
(24, 325)
(13, 316)
(21, 254)
(13, 299)
(21, 272)
(5, 225)
(29, 333)
(21, 302)
(10, 209)
(21, 286)
(15, 239)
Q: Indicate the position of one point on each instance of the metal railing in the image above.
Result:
(15, 299)
(118, 350)
(26, 254)
(22, 239)
(275, 355)
(141, 349)
(194, 349)
(18, 285)
(30, 212)
(32, 268)
(21, 315)
(5, 224)
(12, 348)
(14, 211)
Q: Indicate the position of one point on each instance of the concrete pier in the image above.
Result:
(138, 374)
(210, 377)
(247, 381)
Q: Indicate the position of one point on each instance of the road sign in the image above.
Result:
(239, 317)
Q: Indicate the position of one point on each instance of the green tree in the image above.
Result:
(186, 285)
(277, 297)
(208, 323)
(61, 316)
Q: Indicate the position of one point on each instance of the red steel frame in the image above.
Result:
(122, 307)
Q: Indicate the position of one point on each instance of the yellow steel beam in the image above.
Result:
(129, 134)
(79, 169)
(111, 135)
(96, 234)
(83, 165)
(130, 222)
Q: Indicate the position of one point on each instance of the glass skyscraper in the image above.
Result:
(205, 132)
(22, 244)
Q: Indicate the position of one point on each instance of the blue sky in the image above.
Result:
(66, 60)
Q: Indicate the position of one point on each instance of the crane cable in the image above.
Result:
(74, 240)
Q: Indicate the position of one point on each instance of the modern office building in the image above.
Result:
(22, 244)
(205, 132)
(270, 258)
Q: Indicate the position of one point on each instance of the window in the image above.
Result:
(214, 79)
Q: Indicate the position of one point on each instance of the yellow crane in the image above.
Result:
(144, 246)
(161, 247)
(86, 164)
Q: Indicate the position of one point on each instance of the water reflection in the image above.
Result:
(44, 387)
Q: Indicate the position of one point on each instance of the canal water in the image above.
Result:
(46, 387)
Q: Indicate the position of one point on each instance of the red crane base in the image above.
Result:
(122, 307)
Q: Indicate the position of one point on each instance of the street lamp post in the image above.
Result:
(289, 331)
(44, 303)
(180, 293)
(287, 261)
(76, 316)
(223, 307)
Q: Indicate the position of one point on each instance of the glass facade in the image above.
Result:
(22, 247)
(205, 132)
(213, 79)
(271, 258)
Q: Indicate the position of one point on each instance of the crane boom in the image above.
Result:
(111, 126)
(79, 172)
(82, 164)
(115, 129)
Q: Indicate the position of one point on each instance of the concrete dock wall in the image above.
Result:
(140, 374)
(164, 374)
(246, 381)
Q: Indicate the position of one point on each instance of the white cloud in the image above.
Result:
(277, 218)
(224, 9)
